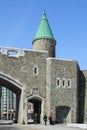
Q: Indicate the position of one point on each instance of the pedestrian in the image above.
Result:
(50, 119)
(35, 118)
(45, 119)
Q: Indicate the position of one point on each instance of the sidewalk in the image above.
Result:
(6, 122)
(69, 126)
(50, 127)
(82, 126)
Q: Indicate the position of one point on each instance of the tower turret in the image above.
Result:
(44, 39)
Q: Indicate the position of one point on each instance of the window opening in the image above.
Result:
(35, 70)
(58, 82)
(63, 83)
(69, 83)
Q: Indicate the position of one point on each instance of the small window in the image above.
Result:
(63, 83)
(58, 82)
(69, 83)
(35, 70)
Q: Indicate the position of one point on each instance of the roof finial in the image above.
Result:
(44, 11)
(44, 15)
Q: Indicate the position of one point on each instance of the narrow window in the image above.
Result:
(69, 83)
(63, 83)
(35, 70)
(58, 82)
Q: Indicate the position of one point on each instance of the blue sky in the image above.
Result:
(19, 20)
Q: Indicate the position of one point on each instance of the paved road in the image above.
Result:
(12, 127)
(51, 127)
(36, 127)
(6, 127)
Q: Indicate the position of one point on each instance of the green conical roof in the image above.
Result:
(44, 30)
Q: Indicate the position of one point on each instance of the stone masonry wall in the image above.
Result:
(21, 68)
(84, 94)
(45, 45)
(62, 95)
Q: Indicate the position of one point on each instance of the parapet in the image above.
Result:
(11, 52)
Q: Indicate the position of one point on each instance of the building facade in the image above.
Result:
(63, 82)
(52, 86)
(8, 103)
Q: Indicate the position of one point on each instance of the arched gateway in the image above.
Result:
(15, 87)
(51, 85)
(38, 108)
(20, 75)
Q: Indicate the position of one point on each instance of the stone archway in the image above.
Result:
(10, 83)
(37, 107)
(16, 87)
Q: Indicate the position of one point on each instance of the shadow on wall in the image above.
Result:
(81, 98)
(62, 114)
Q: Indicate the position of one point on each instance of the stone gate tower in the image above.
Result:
(53, 86)
(44, 39)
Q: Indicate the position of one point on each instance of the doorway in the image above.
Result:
(62, 113)
(34, 107)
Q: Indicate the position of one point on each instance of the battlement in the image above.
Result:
(11, 52)
(17, 52)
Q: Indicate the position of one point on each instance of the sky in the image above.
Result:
(19, 21)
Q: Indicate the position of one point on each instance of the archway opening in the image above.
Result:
(62, 114)
(8, 101)
(34, 111)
